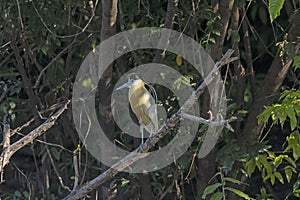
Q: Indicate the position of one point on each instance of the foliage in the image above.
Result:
(233, 152)
(289, 108)
(274, 8)
(264, 195)
(222, 186)
(296, 64)
(270, 164)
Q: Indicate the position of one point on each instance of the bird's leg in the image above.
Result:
(142, 132)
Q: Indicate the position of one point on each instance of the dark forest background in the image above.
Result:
(43, 43)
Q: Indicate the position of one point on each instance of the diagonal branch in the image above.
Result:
(150, 142)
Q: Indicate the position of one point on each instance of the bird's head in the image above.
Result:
(131, 83)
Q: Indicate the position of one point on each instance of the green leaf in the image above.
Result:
(177, 83)
(124, 182)
(26, 195)
(288, 173)
(233, 34)
(238, 192)
(272, 177)
(296, 189)
(296, 64)
(250, 167)
(44, 49)
(279, 177)
(216, 32)
(292, 115)
(217, 196)
(296, 151)
(282, 115)
(278, 160)
(274, 8)
(210, 189)
(18, 194)
(265, 163)
(294, 144)
(12, 104)
(232, 180)
(212, 40)
(265, 115)
(290, 161)
(271, 154)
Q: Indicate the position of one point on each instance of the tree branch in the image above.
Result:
(10, 149)
(150, 142)
(218, 122)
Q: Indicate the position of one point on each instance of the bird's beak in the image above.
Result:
(127, 84)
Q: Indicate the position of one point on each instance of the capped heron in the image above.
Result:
(142, 104)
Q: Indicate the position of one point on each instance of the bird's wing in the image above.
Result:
(140, 112)
(152, 112)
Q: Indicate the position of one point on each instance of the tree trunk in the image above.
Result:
(207, 166)
(108, 29)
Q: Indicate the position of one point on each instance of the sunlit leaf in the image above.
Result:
(288, 173)
(238, 192)
(232, 180)
(279, 177)
(250, 166)
(274, 8)
(210, 189)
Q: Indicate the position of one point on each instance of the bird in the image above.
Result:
(142, 104)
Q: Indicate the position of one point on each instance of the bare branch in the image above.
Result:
(6, 142)
(76, 170)
(151, 141)
(209, 122)
(9, 150)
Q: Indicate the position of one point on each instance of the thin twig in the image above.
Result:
(66, 36)
(16, 130)
(55, 169)
(48, 143)
(76, 170)
(50, 63)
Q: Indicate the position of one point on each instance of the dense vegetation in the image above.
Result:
(43, 44)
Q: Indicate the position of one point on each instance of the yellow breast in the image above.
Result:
(140, 102)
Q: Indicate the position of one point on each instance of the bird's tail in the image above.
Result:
(153, 126)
